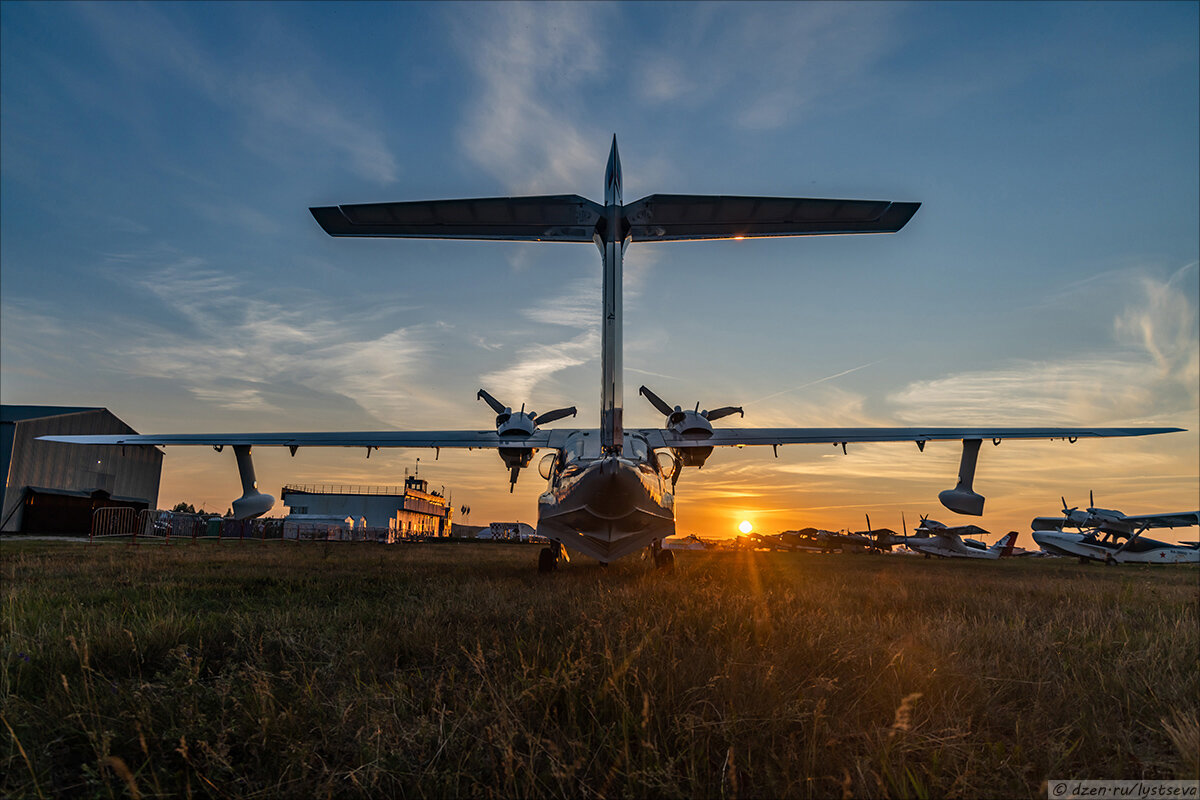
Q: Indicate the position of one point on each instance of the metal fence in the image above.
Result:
(163, 526)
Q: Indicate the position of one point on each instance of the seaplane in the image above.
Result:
(1100, 532)
(610, 491)
(933, 538)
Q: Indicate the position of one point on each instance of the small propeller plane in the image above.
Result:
(932, 538)
(611, 491)
(1100, 531)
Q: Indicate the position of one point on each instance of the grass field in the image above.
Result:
(455, 670)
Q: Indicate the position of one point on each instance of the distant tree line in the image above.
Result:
(188, 508)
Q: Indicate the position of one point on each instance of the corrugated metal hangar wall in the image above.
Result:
(54, 487)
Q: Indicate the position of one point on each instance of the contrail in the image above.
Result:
(813, 383)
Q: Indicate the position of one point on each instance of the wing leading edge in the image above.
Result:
(448, 439)
(738, 437)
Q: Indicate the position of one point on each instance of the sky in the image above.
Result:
(157, 256)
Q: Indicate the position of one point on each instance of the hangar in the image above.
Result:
(51, 487)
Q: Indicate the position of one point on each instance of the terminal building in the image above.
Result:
(52, 487)
(411, 510)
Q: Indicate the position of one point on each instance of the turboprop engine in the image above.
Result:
(694, 424)
(519, 425)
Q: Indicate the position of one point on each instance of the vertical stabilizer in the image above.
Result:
(1004, 547)
(610, 239)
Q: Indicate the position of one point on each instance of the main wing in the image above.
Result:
(1186, 519)
(549, 218)
(655, 437)
(682, 217)
(739, 437)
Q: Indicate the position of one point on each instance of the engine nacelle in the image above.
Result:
(516, 457)
(516, 423)
(693, 456)
(689, 423)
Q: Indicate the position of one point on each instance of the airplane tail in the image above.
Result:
(1005, 545)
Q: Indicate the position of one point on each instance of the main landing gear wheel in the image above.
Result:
(664, 560)
(550, 557)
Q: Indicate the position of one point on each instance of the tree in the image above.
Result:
(184, 508)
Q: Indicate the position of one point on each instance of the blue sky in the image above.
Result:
(157, 256)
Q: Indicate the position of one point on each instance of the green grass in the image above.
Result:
(433, 670)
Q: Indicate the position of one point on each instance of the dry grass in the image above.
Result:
(434, 670)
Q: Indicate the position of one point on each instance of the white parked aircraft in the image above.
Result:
(932, 538)
(611, 490)
(1102, 529)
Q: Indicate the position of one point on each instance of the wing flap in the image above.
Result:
(679, 217)
(556, 218)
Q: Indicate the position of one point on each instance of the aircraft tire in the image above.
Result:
(664, 560)
(547, 563)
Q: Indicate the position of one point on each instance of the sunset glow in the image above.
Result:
(745, 527)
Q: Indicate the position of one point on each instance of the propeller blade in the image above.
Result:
(1091, 499)
(491, 401)
(656, 401)
(556, 414)
(724, 411)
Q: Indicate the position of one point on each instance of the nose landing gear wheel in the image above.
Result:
(547, 561)
(664, 560)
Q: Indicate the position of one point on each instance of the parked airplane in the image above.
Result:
(817, 540)
(1107, 520)
(932, 538)
(611, 491)
(884, 539)
(1101, 532)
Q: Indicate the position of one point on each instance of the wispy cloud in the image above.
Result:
(573, 308)
(283, 110)
(532, 61)
(803, 53)
(1159, 377)
(816, 382)
(247, 353)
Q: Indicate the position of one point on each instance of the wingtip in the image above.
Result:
(330, 218)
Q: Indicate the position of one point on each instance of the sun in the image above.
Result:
(745, 527)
